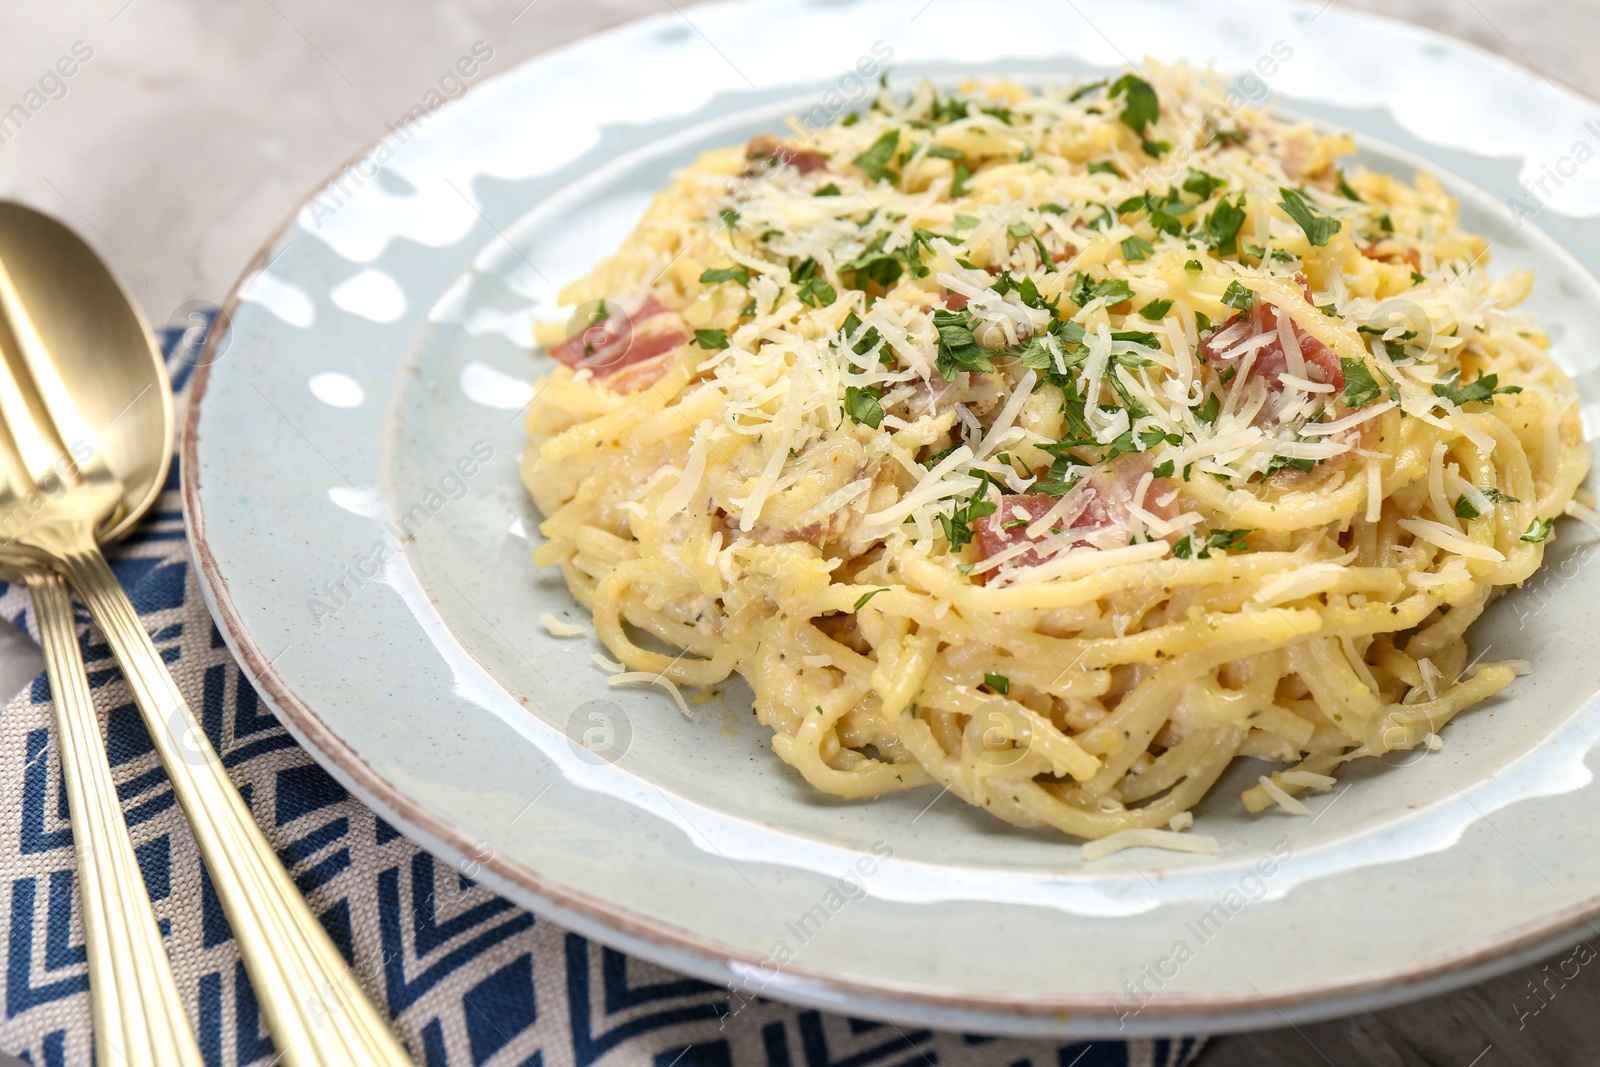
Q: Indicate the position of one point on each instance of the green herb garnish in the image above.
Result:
(1319, 228)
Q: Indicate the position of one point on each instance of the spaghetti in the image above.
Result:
(1055, 447)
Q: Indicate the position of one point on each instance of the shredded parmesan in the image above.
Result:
(1307, 780)
(1442, 536)
(647, 678)
(1141, 837)
(1283, 799)
(558, 628)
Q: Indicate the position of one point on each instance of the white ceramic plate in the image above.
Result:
(377, 354)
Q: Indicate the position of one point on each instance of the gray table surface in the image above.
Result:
(197, 126)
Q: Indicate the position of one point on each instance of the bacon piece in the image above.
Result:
(1394, 252)
(1295, 156)
(955, 301)
(627, 350)
(1270, 361)
(769, 148)
(640, 375)
(1095, 503)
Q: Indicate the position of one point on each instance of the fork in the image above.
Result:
(138, 1016)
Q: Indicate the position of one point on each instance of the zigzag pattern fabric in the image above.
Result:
(469, 978)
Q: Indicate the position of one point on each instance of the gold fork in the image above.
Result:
(138, 1015)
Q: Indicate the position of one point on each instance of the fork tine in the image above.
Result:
(35, 454)
(18, 486)
(57, 420)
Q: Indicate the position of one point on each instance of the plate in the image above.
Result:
(350, 475)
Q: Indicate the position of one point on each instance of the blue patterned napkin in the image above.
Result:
(469, 978)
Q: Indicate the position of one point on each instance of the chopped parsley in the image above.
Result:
(1156, 310)
(861, 603)
(874, 162)
(958, 184)
(1139, 337)
(726, 274)
(868, 341)
(1484, 388)
(1466, 509)
(1056, 483)
(1087, 289)
(1104, 168)
(1319, 228)
(1278, 463)
(1085, 90)
(1395, 347)
(1136, 248)
(1208, 412)
(1360, 388)
(828, 190)
(1223, 224)
(861, 403)
(816, 292)
(998, 682)
(876, 265)
(958, 350)
(958, 524)
(1538, 530)
(1347, 192)
(1163, 470)
(1215, 541)
(1202, 184)
(711, 340)
(1239, 298)
(1141, 109)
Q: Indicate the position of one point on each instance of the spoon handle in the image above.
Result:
(138, 1015)
(315, 1009)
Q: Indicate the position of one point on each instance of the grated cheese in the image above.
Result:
(1281, 798)
(557, 628)
(1169, 840)
(1442, 536)
(647, 678)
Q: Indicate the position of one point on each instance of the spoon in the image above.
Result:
(91, 399)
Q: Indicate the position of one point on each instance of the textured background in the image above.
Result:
(198, 125)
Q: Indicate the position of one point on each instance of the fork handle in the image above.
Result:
(138, 1015)
(315, 1009)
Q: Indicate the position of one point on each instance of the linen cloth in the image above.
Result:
(468, 977)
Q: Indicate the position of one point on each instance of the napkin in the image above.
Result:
(468, 977)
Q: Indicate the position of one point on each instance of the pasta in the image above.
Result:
(1057, 448)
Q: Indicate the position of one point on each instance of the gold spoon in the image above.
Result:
(89, 396)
